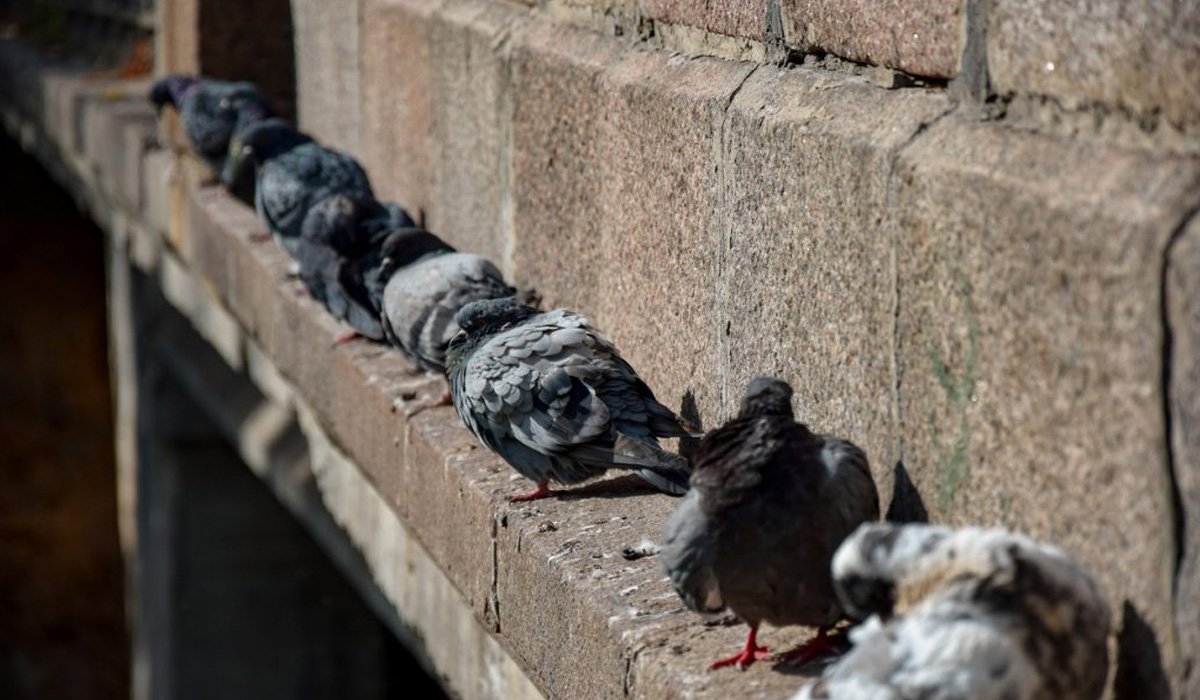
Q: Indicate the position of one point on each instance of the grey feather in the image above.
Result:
(770, 503)
(293, 174)
(211, 111)
(424, 294)
(340, 251)
(555, 399)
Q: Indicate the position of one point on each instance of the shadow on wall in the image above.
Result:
(907, 504)
(251, 41)
(1140, 674)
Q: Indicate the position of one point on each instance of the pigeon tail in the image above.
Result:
(664, 471)
(673, 482)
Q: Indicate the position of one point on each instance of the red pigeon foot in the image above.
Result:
(749, 654)
(819, 645)
(542, 491)
(345, 338)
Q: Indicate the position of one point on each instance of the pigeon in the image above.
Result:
(964, 614)
(770, 503)
(340, 255)
(555, 399)
(293, 174)
(211, 112)
(427, 283)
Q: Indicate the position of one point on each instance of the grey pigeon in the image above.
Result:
(293, 174)
(967, 614)
(770, 503)
(555, 399)
(340, 252)
(211, 112)
(427, 283)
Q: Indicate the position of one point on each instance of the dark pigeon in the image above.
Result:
(555, 399)
(293, 174)
(427, 283)
(341, 256)
(770, 503)
(965, 614)
(211, 112)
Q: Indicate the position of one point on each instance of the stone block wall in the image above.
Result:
(980, 272)
(946, 223)
(962, 229)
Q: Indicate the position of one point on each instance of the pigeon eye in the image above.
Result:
(224, 103)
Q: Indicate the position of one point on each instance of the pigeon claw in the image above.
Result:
(344, 338)
(749, 654)
(819, 645)
(443, 399)
(542, 491)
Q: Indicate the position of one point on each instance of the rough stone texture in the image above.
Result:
(922, 38)
(1142, 57)
(806, 280)
(660, 206)
(327, 77)
(472, 117)
(1183, 318)
(745, 18)
(396, 95)
(557, 170)
(1030, 340)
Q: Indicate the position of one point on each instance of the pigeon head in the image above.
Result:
(259, 142)
(407, 245)
(479, 320)
(170, 90)
(767, 396)
(491, 316)
(334, 220)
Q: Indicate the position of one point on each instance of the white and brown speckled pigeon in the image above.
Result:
(770, 503)
(555, 399)
(968, 614)
(427, 283)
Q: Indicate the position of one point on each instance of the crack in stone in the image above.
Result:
(724, 241)
(894, 261)
(1178, 510)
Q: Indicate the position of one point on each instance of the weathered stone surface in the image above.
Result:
(745, 18)
(661, 228)
(137, 137)
(159, 169)
(557, 171)
(923, 38)
(1030, 344)
(472, 118)
(106, 123)
(327, 76)
(1142, 57)
(1183, 319)
(805, 278)
(396, 95)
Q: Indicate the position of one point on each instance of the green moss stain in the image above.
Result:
(953, 469)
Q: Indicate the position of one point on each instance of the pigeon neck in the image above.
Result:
(760, 407)
(180, 88)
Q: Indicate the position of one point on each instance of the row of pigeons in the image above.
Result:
(778, 524)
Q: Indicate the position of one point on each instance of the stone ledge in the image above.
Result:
(569, 615)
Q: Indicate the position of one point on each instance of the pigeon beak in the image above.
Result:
(234, 163)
